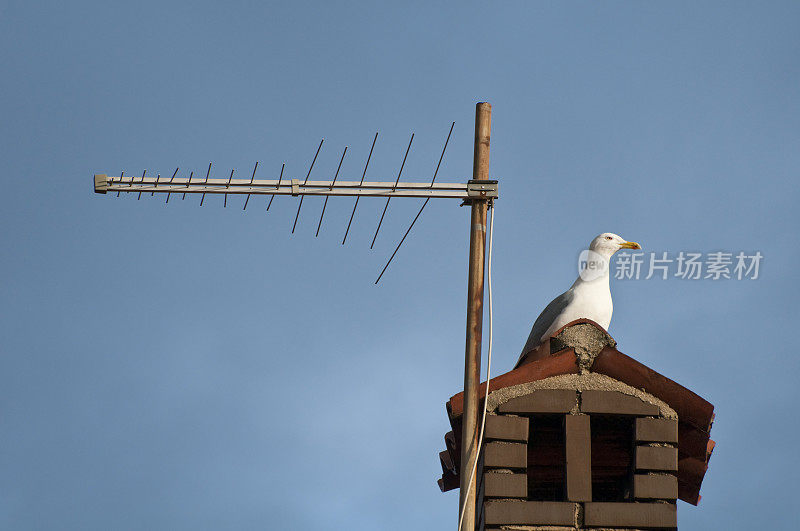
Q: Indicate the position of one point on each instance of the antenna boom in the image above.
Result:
(294, 187)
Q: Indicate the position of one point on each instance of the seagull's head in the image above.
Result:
(609, 243)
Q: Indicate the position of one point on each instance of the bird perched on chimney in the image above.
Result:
(589, 297)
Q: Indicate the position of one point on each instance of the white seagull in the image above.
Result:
(589, 297)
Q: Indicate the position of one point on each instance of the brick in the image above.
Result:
(656, 458)
(542, 401)
(649, 515)
(502, 512)
(502, 427)
(497, 485)
(616, 403)
(505, 455)
(650, 486)
(579, 458)
(657, 430)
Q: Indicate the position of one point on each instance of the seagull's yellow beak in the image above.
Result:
(630, 245)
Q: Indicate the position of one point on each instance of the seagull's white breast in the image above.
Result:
(592, 300)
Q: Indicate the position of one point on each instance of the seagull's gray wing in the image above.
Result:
(545, 319)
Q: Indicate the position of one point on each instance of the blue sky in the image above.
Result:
(178, 367)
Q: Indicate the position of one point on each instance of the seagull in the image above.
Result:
(589, 297)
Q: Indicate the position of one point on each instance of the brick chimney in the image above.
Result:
(581, 436)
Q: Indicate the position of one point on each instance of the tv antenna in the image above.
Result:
(479, 193)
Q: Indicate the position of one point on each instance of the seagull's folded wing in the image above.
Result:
(545, 320)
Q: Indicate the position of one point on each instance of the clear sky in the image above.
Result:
(178, 367)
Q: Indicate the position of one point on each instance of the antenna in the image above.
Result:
(479, 193)
(467, 192)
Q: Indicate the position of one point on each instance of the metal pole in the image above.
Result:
(472, 362)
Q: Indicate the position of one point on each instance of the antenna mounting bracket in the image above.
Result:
(482, 189)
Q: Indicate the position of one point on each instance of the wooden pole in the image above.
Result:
(472, 362)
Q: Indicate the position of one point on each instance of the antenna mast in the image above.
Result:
(472, 359)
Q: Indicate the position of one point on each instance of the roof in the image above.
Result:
(553, 358)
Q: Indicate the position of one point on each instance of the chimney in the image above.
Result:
(581, 436)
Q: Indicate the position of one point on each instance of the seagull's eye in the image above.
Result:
(608, 237)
